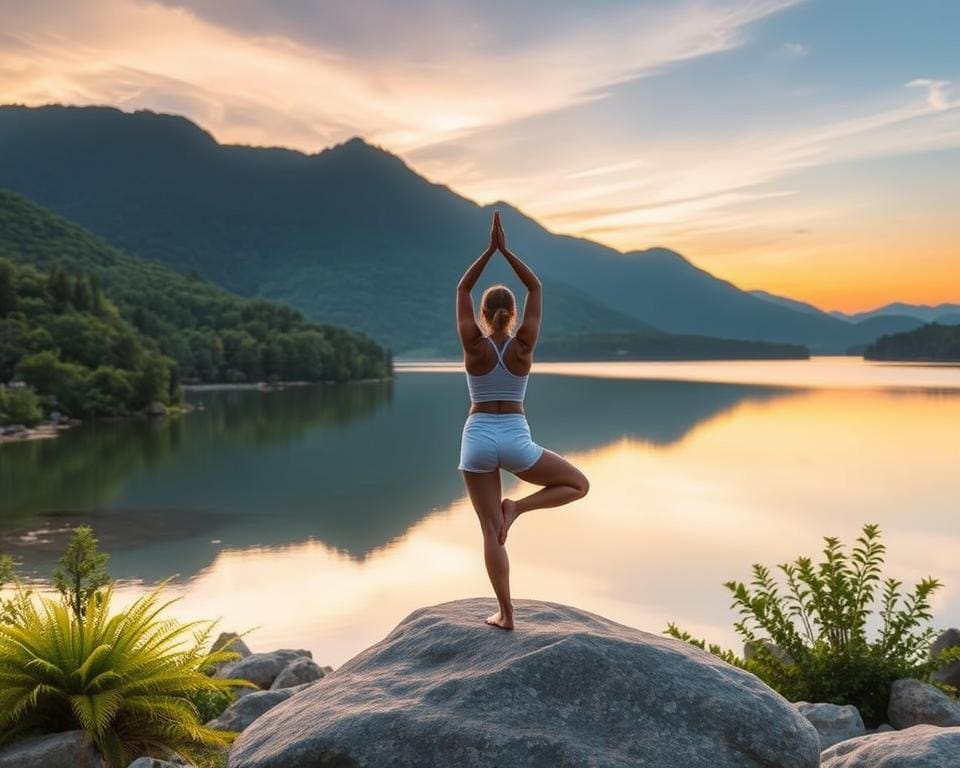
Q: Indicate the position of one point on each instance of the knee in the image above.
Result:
(491, 531)
(582, 485)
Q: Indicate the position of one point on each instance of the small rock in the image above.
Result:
(923, 746)
(750, 651)
(884, 728)
(834, 722)
(298, 672)
(156, 408)
(231, 641)
(950, 674)
(261, 669)
(913, 702)
(245, 710)
(154, 762)
(70, 749)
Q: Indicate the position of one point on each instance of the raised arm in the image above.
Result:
(467, 326)
(529, 329)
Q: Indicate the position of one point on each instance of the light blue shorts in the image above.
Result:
(492, 440)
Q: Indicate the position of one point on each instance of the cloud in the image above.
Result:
(795, 50)
(936, 92)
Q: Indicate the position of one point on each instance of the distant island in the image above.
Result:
(931, 343)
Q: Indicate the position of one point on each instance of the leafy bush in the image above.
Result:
(20, 406)
(82, 571)
(810, 641)
(125, 678)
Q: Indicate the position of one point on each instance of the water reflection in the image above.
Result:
(353, 466)
(327, 514)
(663, 527)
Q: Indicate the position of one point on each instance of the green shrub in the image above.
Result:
(125, 678)
(20, 406)
(809, 639)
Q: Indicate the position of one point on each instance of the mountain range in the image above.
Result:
(353, 236)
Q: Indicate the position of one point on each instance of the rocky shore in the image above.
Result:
(566, 689)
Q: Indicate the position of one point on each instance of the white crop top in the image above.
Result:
(498, 383)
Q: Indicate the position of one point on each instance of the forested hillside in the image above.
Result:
(62, 337)
(933, 342)
(211, 334)
(353, 236)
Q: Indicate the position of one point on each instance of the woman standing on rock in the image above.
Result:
(496, 434)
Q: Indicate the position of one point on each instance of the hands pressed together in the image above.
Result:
(498, 240)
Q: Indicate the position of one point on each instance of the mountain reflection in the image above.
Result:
(354, 465)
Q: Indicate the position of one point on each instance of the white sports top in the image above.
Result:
(498, 383)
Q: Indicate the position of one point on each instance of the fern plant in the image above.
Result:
(127, 678)
(809, 638)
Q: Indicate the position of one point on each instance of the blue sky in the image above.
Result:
(807, 147)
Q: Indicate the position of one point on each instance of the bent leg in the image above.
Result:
(562, 483)
(484, 490)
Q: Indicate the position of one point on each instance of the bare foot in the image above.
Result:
(509, 510)
(497, 620)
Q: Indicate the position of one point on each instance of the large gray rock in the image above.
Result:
(298, 672)
(923, 746)
(70, 749)
(565, 689)
(834, 722)
(245, 710)
(261, 669)
(950, 674)
(913, 702)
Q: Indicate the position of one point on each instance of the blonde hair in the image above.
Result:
(498, 310)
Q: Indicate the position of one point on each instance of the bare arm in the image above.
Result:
(529, 330)
(466, 319)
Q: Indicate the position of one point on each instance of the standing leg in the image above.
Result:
(562, 483)
(484, 490)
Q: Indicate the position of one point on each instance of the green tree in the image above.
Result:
(8, 288)
(82, 572)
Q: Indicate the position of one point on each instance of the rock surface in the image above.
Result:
(566, 689)
(261, 669)
(834, 722)
(154, 762)
(950, 674)
(298, 672)
(232, 642)
(923, 746)
(913, 702)
(245, 710)
(70, 749)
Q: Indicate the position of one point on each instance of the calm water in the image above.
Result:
(323, 515)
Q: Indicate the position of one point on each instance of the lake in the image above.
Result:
(323, 515)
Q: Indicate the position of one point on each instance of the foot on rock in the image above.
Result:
(497, 620)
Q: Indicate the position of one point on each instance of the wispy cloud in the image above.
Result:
(795, 50)
(937, 96)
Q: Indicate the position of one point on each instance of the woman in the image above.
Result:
(496, 434)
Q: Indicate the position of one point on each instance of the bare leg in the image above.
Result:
(484, 490)
(562, 483)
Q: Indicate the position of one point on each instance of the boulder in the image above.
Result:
(298, 672)
(950, 674)
(232, 642)
(750, 651)
(913, 702)
(70, 749)
(834, 722)
(923, 746)
(261, 669)
(156, 408)
(245, 710)
(565, 689)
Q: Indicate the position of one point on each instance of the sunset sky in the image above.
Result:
(808, 147)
